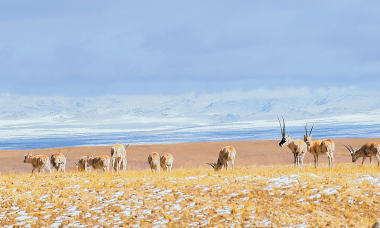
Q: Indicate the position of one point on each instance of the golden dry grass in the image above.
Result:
(253, 196)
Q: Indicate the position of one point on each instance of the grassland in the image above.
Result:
(275, 196)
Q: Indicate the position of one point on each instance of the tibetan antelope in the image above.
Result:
(367, 150)
(226, 155)
(118, 152)
(99, 162)
(154, 162)
(83, 165)
(297, 146)
(166, 162)
(58, 161)
(39, 162)
(319, 147)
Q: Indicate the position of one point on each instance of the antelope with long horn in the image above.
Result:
(319, 147)
(226, 157)
(297, 146)
(367, 150)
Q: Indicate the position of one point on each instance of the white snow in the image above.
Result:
(37, 117)
(329, 191)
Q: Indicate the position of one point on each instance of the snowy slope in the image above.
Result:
(38, 117)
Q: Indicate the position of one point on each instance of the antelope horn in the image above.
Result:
(282, 132)
(76, 164)
(351, 148)
(311, 129)
(306, 129)
(284, 125)
(126, 147)
(212, 165)
(348, 148)
(67, 153)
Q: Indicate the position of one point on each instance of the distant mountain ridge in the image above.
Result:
(34, 117)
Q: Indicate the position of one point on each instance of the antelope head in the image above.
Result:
(354, 154)
(307, 138)
(86, 165)
(285, 139)
(215, 166)
(27, 157)
(90, 160)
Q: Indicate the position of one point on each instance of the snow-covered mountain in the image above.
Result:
(44, 117)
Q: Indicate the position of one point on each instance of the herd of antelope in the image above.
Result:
(119, 161)
(88, 163)
(324, 147)
(226, 157)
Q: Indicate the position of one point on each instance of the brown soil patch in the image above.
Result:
(262, 152)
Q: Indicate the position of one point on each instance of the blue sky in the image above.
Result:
(94, 48)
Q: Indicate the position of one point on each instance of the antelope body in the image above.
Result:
(123, 164)
(58, 161)
(83, 165)
(154, 162)
(118, 152)
(166, 162)
(39, 162)
(99, 162)
(367, 150)
(297, 146)
(226, 156)
(319, 147)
